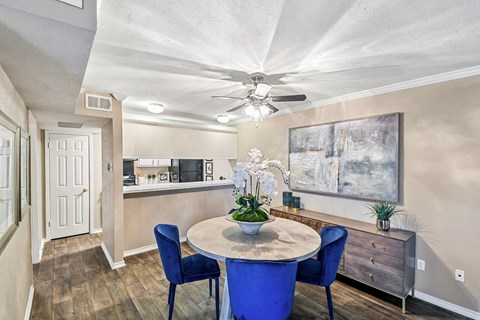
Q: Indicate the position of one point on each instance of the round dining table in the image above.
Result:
(281, 239)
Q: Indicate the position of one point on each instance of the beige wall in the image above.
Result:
(145, 140)
(107, 189)
(184, 208)
(16, 273)
(112, 184)
(11, 103)
(97, 181)
(16, 259)
(37, 192)
(222, 167)
(440, 176)
(110, 200)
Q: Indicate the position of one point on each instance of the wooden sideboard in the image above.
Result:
(382, 259)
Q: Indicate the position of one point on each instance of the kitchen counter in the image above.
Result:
(183, 204)
(154, 187)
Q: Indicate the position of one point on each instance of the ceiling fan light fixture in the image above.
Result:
(257, 112)
(223, 118)
(258, 101)
(155, 107)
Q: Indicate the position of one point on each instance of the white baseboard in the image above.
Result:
(99, 230)
(447, 305)
(113, 265)
(28, 309)
(133, 252)
(150, 247)
(40, 252)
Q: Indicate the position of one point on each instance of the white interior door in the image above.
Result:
(69, 183)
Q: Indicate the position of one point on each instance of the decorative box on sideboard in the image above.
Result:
(384, 260)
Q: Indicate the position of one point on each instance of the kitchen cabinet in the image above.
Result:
(177, 142)
(142, 163)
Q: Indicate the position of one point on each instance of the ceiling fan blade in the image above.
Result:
(262, 90)
(227, 97)
(269, 106)
(237, 108)
(294, 97)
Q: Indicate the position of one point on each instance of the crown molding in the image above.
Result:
(420, 82)
(176, 123)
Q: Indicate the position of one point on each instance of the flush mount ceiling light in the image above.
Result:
(223, 118)
(155, 107)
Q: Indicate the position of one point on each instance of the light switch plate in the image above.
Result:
(421, 264)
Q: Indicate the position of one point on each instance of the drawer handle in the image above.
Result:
(372, 243)
(370, 275)
(371, 260)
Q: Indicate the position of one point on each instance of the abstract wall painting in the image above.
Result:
(355, 158)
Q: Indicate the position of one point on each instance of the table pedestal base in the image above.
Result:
(226, 310)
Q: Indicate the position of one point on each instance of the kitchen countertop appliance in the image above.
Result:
(186, 170)
(129, 172)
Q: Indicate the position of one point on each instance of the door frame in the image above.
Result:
(47, 177)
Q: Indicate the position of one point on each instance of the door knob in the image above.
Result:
(85, 189)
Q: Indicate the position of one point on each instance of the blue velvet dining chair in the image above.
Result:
(180, 270)
(323, 270)
(261, 289)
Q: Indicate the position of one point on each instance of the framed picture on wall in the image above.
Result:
(9, 174)
(209, 167)
(355, 158)
(24, 173)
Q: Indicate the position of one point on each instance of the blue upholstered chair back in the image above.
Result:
(168, 241)
(261, 289)
(333, 243)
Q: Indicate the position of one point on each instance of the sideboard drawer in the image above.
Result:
(388, 246)
(379, 268)
(374, 260)
(375, 278)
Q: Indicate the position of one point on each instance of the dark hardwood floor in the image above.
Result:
(74, 281)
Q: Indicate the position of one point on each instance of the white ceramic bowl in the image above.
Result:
(250, 228)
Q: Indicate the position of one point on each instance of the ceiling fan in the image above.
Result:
(257, 104)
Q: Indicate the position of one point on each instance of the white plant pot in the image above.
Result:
(250, 228)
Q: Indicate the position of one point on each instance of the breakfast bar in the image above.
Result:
(182, 204)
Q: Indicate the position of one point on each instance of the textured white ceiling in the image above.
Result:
(179, 53)
(44, 50)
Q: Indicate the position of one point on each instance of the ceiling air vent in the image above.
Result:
(98, 102)
(69, 124)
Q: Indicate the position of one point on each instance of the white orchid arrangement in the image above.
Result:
(250, 177)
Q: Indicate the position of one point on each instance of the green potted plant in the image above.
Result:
(383, 211)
